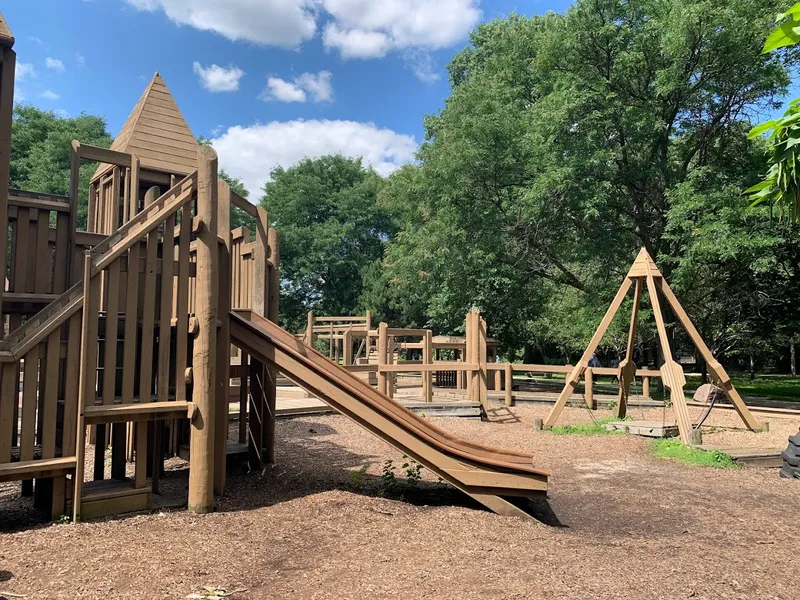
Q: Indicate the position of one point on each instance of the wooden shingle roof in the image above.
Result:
(6, 37)
(157, 133)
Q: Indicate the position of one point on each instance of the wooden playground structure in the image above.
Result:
(137, 333)
(127, 335)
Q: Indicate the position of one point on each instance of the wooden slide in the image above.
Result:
(489, 475)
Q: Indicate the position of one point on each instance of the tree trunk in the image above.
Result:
(792, 358)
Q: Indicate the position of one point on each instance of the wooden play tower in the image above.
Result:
(120, 332)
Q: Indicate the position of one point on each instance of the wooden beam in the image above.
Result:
(574, 377)
(201, 469)
(104, 155)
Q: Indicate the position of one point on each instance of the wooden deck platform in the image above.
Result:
(293, 405)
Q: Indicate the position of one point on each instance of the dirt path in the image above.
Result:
(633, 527)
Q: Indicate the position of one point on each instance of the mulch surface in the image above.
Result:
(623, 525)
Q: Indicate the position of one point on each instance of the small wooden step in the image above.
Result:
(30, 469)
(112, 497)
(145, 411)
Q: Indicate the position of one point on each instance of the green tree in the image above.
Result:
(332, 229)
(40, 152)
(781, 184)
(558, 151)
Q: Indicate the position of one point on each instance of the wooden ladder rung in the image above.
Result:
(30, 469)
(145, 411)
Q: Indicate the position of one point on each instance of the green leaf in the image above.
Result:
(759, 129)
(758, 187)
(785, 34)
(793, 12)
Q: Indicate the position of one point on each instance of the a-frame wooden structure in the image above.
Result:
(644, 272)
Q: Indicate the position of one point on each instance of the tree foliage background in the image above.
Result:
(568, 142)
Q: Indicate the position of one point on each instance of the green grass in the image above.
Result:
(596, 427)
(778, 387)
(673, 448)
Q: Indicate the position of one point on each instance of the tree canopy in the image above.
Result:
(568, 142)
(40, 151)
(332, 231)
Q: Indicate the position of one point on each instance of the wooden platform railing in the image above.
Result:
(39, 386)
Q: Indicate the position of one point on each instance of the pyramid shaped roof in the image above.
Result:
(157, 133)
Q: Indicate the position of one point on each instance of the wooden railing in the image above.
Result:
(41, 360)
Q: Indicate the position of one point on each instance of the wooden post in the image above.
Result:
(427, 359)
(468, 356)
(574, 376)
(260, 267)
(273, 305)
(74, 185)
(201, 468)
(347, 350)
(383, 340)
(223, 338)
(7, 68)
(310, 328)
(87, 376)
(627, 368)
(646, 386)
(330, 343)
(483, 371)
(509, 385)
(391, 379)
(588, 388)
(133, 187)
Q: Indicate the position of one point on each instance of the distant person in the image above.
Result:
(496, 358)
(615, 366)
(594, 362)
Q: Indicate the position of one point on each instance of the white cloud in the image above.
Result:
(24, 71)
(286, 23)
(218, 79)
(250, 153)
(316, 85)
(50, 95)
(354, 28)
(80, 59)
(319, 85)
(282, 91)
(356, 43)
(421, 64)
(367, 29)
(55, 64)
(36, 40)
(61, 113)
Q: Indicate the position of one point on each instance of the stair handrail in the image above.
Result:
(33, 331)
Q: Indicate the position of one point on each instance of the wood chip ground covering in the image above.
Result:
(632, 526)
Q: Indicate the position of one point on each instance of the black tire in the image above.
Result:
(790, 458)
(788, 472)
(795, 439)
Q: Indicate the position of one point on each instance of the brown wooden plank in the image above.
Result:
(165, 313)
(43, 260)
(72, 370)
(9, 397)
(182, 304)
(131, 320)
(148, 308)
(111, 334)
(21, 251)
(61, 253)
(29, 389)
(92, 207)
(50, 407)
(7, 69)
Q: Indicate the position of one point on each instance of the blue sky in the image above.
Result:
(269, 80)
(367, 71)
